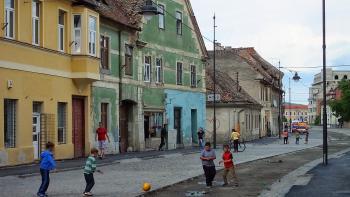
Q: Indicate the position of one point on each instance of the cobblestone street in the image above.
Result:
(126, 177)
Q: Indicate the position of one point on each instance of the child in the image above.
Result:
(285, 135)
(47, 163)
(89, 169)
(227, 159)
(297, 137)
(208, 157)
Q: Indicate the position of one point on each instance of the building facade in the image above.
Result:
(296, 112)
(316, 95)
(235, 109)
(46, 72)
(260, 79)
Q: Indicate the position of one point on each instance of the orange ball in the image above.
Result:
(146, 187)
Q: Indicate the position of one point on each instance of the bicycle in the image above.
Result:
(241, 145)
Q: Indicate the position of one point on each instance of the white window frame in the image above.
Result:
(182, 70)
(147, 69)
(61, 28)
(92, 37)
(161, 16)
(63, 127)
(35, 18)
(75, 29)
(193, 80)
(9, 10)
(159, 70)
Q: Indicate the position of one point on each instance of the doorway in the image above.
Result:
(125, 111)
(177, 124)
(146, 127)
(78, 108)
(36, 135)
(194, 125)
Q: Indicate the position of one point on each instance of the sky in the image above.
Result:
(289, 31)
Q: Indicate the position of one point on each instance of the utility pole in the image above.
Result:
(279, 100)
(237, 82)
(290, 108)
(325, 143)
(214, 64)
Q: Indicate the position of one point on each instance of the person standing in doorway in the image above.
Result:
(208, 156)
(101, 136)
(235, 137)
(200, 134)
(162, 137)
(47, 163)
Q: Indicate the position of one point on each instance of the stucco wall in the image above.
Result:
(186, 101)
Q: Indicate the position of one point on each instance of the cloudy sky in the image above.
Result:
(285, 30)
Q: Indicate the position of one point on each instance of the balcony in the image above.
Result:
(85, 68)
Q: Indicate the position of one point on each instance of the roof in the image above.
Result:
(124, 12)
(270, 73)
(295, 106)
(228, 89)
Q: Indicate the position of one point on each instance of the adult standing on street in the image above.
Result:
(162, 137)
(235, 137)
(307, 137)
(208, 156)
(200, 134)
(285, 136)
(101, 136)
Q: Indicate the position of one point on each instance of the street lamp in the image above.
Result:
(149, 10)
(325, 143)
(295, 78)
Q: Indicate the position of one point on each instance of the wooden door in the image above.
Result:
(123, 122)
(78, 126)
(177, 125)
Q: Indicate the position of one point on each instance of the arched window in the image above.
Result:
(345, 77)
(336, 77)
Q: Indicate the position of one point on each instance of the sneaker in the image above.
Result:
(236, 185)
(88, 194)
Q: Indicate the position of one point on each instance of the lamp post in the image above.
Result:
(214, 78)
(149, 9)
(325, 143)
(295, 78)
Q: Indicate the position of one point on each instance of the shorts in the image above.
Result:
(102, 144)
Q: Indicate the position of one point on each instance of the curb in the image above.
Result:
(281, 187)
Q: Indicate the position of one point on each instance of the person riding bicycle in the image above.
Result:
(235, 138)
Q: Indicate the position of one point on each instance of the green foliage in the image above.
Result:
(284, 119)
(341, 107)
(317, 120)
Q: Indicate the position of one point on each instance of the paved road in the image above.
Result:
(126, 177)
(330, 181)
(257, 176)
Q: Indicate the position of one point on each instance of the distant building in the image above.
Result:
(295, 112)
(316, 95)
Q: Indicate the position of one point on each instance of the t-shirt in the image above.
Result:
(235, 136)
(210, 153)
(101, 134)
(200, 134)
(90, 165)
(227, 156)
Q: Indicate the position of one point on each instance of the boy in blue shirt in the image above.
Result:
(47, 163)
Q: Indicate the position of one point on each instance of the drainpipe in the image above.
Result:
(120, 80)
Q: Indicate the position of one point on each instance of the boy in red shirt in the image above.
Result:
(101, 135)
(227, 159)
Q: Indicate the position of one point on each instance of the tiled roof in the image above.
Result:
(228, 89)
(295, 106)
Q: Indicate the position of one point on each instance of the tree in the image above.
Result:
(317, 120)
(341, 107)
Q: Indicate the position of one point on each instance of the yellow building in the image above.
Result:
(296, 112)
(48, 60)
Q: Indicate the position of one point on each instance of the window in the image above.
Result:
(62, 122)
(61, 31)
(179, 73)
(161, 16)
(193, 76)
(10, 122)
(147, 69)
(104, 115)
(336, 77)
(179, 23)
(77, 33)
(9, 19)
(92, 35)
(104, 47)
(128, 59)
(35, 21)
(159, 70)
